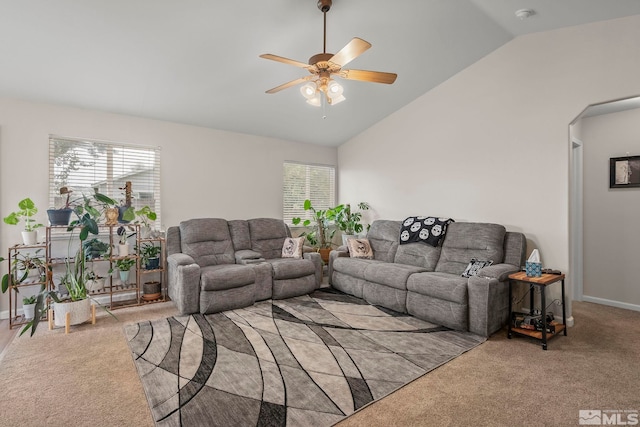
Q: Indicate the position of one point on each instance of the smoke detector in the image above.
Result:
(524, 13)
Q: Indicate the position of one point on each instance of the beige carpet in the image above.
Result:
(88, 378)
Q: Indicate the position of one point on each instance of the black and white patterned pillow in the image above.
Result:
(426, 229)
(475, 266)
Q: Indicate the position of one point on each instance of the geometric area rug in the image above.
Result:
(304, 361)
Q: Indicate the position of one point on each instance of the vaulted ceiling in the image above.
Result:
(197, 62)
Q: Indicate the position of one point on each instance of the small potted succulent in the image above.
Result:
(27, 210)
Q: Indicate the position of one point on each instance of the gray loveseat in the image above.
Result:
(427, 282)
(215, 265)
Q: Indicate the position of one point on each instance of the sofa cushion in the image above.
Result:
(291, 268)
(389, 274)
(384, 237)
(443, 286)
(239, 230)
(267, 236)
(220, 277)
(418, 254)
(467, 240)
(354, 267)
(360, 248)
(207, 241)
(292, 247)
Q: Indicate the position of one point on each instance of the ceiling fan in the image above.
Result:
(323, 66)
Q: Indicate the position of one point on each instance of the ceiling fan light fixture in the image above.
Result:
(334, 89)
(309, 90)
(337, 99)
(314, 100)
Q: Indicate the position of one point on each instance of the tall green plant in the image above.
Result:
(347, 221)
(322, 233)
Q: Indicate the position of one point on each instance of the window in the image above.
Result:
(301, 182)
(86, 166)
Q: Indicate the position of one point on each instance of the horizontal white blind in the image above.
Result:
(86, 166)
(305, 181)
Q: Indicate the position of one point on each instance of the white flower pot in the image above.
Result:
(29, 237)
(95, 285)
(80, 311)
(29, 310)
(123, 250)
(124, 276)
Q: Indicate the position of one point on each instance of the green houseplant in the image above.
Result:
(27, 210)
(72, 294)
(124, 265)
(62, 215)
(145, 215)
(322, 232)
(149, 254)
(347, 221)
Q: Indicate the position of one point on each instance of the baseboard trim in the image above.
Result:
(612, 303)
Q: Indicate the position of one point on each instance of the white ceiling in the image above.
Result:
(196, 61)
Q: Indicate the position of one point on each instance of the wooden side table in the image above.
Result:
(541, 282)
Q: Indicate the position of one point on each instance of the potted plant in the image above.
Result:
(124, 265)
(150, 255)
(348, 222)
(123, 246)
(93, 282)
(126, 212)
(24, 265)
(95, 248)
(145, 214)
(27, 210)
(61, 216)
(322, 233)
(29, 306)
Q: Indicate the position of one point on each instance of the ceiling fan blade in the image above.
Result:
(351, 51)
(284, 60)
(369, 76)
(289, 84)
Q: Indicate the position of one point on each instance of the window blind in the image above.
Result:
(307, 181)
(86, 166)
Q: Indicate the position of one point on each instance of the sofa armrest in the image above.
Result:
(336, 253)
(489, 299)
(183, 277)
(317, 262)
(500, 272)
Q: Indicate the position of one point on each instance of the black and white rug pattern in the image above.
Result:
(304, 361)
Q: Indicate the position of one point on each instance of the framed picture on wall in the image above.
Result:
(624, 172)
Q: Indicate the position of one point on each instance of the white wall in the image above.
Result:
(611, 215)
(205, 172)
(492, 143)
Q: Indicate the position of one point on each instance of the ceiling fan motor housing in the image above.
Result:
(324, 5)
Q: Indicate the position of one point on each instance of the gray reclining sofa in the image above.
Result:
(215, 265)
(427, 282)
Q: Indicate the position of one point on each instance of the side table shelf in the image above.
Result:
(540, 282)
